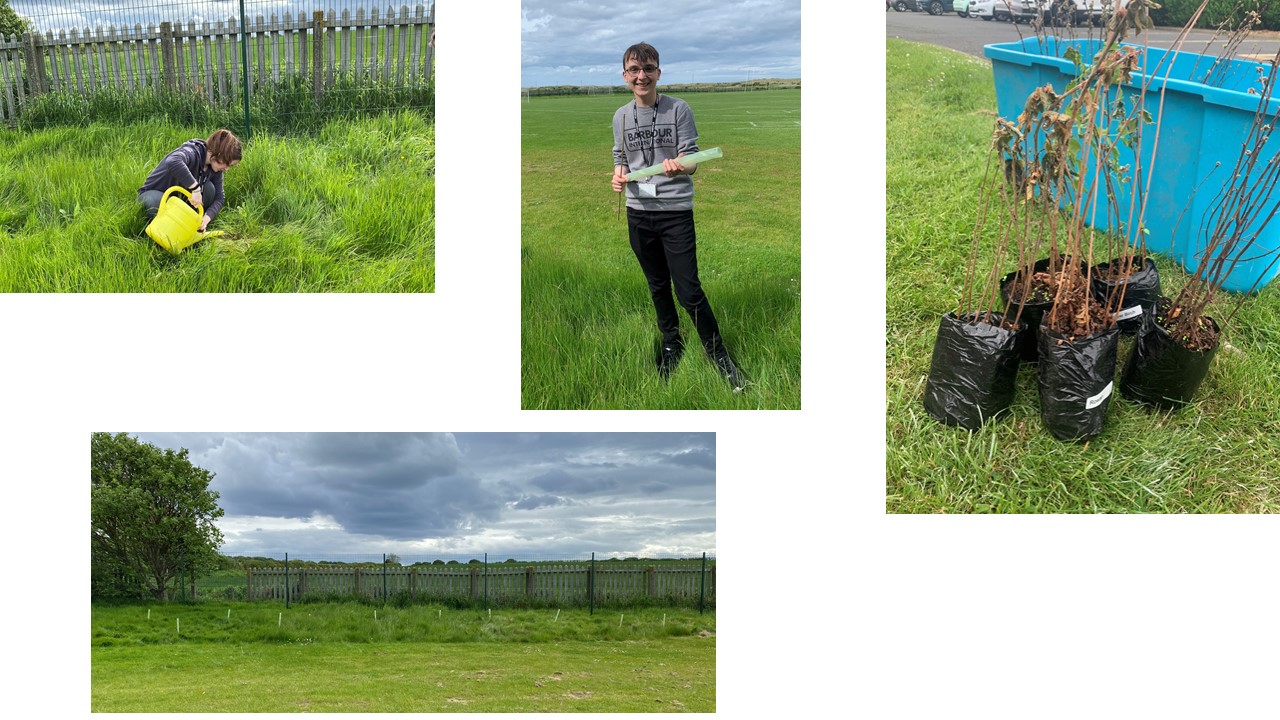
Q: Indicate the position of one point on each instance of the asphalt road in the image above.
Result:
(968, 35)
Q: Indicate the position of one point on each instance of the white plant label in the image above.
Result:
(1129, 312)
(648, 189)
(1096, 400)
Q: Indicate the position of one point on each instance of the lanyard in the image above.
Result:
(653, 132)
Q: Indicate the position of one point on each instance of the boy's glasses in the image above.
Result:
(648, 69)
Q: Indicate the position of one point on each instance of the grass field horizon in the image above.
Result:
(303, 213)
(350, 657)
(1217, 455)
(588, 331)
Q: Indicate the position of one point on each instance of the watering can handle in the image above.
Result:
(184, 191)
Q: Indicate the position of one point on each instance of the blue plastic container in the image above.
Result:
(1206, 116)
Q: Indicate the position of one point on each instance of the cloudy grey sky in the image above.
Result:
(425, 494)
(580, 42)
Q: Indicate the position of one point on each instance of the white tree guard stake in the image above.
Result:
(620, 620)
(698, 157)
(179, 626)
(557, 615)
(280, 620)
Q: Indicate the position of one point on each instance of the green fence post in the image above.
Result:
(244, 55)
(182, 575)
(384, 578)
(591, 586)
(702, 590)
(486, 581)
(286, 581)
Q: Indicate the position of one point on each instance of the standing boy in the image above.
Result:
(649, 130)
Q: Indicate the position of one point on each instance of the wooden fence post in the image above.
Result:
(317, 54)
(248, 583)
(413, 582)
(528, 581)
(651, 580)
(166, 56)
(358, 573)
(431, 44)
(35, 66)
(475, 586)
(302, 582)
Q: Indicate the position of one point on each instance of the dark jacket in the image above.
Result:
(185, 167)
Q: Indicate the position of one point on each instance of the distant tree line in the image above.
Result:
(673, 88)
(1176, 13)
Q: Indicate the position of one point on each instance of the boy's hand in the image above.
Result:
(204, 223)
(619, 179)
(674, 167)
(197, 198)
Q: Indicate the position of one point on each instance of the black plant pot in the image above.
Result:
(1140, 294)
(1075, 382)
(1032, 312)
(972, 373)
(1161, 372)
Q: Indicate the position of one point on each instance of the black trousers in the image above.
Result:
(665, 245)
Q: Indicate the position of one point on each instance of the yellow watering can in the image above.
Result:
(176, 225)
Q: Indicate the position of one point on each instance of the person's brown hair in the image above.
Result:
(223, 146)
(642, 52)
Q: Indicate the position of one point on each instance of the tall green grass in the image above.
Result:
(348, 209)
(589, 332)
(341, 657)
(1218, 455)
(287, 106)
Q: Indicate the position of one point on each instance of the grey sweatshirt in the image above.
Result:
(185, 167)
(642, 138)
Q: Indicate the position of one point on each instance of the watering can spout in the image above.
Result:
(176, 225)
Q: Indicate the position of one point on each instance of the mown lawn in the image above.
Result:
(351, 657)
(1218, 455)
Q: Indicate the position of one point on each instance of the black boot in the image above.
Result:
(720, 358)
(669, 355)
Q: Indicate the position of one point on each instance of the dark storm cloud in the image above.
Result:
(315, 493)
(580, 42)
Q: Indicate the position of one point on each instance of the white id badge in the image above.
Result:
(648, 189)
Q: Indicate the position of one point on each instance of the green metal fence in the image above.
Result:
(511, 583)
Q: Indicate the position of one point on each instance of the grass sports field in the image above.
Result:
(350, 657)
(589, 336)
(303, 213)
(1218, 455)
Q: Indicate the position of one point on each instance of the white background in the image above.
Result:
(898, 617)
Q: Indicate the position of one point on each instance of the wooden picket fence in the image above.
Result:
(497, 583)
(388, 49)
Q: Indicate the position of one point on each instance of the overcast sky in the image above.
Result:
(580, 42)
(422, 494)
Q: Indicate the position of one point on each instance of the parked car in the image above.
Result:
(960, 7)
(904, 5)
(935, 7)
(985, 9)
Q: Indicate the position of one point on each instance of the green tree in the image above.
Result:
(11, 23)
(152, 514)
